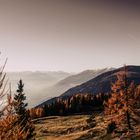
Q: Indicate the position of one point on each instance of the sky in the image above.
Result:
(69, 35)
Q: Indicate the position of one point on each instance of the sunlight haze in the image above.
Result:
(69, 35)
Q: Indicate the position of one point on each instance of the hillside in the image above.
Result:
(78, 127)
(102, 83)
(69, 82)
(72, 80)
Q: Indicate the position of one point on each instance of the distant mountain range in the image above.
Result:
(71, 81)
(100, 83)
(41, 86)
(34, 83)
(38, 78)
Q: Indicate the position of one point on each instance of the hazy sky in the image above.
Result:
(69, 35)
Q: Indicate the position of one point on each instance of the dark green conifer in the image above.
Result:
(19, 98)
(23, 117)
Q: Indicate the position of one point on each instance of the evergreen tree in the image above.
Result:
(23, 117)
(19, 98)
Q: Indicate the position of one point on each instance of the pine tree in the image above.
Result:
(24, 119)
(20, 106)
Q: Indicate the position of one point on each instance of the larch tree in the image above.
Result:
(10, 122)
(123, 99)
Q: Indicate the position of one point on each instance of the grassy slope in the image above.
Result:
(77, 128)
(68, 128)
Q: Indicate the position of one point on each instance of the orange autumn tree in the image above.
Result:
(36, 112)
(9, 129)
(124, 99)
(11, 126)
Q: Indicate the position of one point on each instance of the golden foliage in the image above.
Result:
(9, 128)
(125, 99)
(36, 113)
(11, 131)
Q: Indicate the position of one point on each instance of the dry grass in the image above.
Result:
(65, 128)
(76, 128)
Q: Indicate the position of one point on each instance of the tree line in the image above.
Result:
(79, 103)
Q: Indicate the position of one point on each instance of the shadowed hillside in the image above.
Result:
(102, 83)
(72, 81)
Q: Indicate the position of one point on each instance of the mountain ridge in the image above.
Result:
(73, 80)
(100, 84)
(110, 77)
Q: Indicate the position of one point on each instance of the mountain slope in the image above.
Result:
(99, 84)
(102, 83)
(71, 81)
